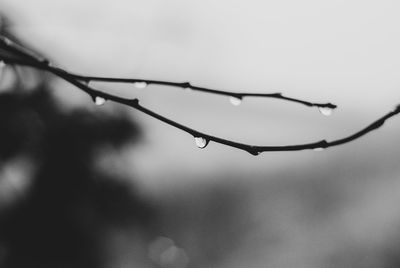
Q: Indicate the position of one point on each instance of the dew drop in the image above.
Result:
(140, 84)
(235, 101)
(319, 149)
(99, 100)
(201, 142)
(325, 111)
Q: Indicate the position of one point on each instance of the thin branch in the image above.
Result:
(22, 51)
(188, 85)
(23, 58)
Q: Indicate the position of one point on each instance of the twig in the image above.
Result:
(23, 57)
(20, 50)
(188, 85)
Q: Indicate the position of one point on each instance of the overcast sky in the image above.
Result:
(345, 52)
(302, 209)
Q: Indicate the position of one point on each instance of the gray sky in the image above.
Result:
(345, 52)
(339, 206)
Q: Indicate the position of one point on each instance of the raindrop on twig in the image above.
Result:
(99, 100)
(325, 111)
(235, 101)
(201, 142)
(140, 85)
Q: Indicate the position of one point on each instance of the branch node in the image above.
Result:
(253, 151)
(321, 144)
(134, 102)
(185, 85)
(377, 124)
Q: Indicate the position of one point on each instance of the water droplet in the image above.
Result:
(201, 142)
(319, 149)
(140, 84)
(235, 101)
(99, 100)
(325, 111)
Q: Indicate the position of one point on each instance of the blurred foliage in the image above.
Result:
(59, 208)
(58, 220)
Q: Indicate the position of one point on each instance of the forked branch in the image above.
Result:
(12, 53)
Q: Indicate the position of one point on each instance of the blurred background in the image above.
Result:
(89, 186)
